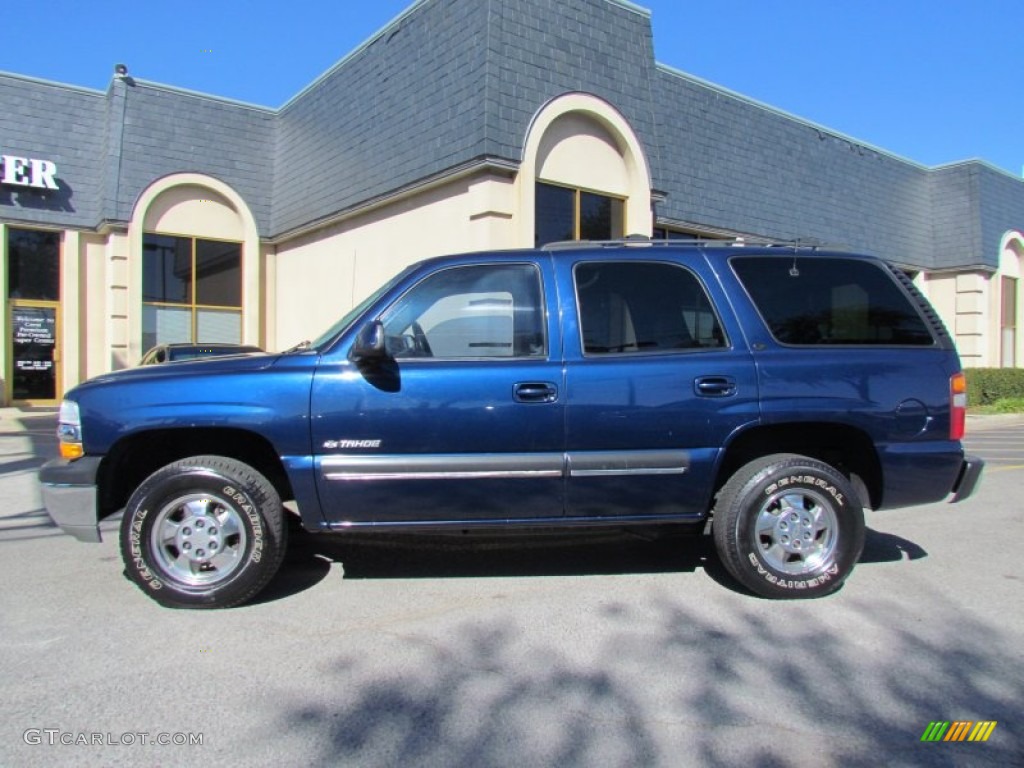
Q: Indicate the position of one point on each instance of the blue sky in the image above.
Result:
(935, 82)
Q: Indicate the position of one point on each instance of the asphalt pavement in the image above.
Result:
(603, 648)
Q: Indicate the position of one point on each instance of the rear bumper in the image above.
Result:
(967, 481)
(69, 495)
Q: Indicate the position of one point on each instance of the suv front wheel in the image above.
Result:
(788, 526)
(203, 532)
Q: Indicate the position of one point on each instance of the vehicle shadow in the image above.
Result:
(882, 547)
(581, 552)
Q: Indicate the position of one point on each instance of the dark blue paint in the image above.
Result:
(317, 403)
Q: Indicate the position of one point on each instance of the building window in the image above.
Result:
(663, 233)
(191, 290)
(1008, 322)
(567, 213)
(33, 265)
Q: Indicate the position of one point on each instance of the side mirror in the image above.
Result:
(369, 345)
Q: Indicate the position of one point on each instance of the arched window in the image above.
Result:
(584, 175)
(194, 267)
(1009, 300)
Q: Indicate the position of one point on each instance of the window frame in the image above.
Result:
(578, 193)
(726, 344)
(193, 306)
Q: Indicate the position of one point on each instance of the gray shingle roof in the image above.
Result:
(454, 81)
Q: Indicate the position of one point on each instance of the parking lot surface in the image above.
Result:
(607, 648)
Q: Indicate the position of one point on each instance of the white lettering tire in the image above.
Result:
(203, 532)
(788, 526)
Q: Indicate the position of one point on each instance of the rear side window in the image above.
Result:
(831, 301)
(630, 307)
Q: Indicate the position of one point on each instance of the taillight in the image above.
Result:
(957, 406)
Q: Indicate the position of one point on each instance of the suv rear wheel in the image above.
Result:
(788, 526)
(203, 532)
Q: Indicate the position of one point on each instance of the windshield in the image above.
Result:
(350, 317)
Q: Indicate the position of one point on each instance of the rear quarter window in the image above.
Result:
(821, 300)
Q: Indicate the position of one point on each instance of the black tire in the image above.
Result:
(203, 532)
(788, 526)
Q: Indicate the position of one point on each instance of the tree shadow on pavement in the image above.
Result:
(671, 683)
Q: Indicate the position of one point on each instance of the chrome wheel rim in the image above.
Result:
(797, 532)
(198, 540)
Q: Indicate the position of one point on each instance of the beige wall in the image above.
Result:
(969, 305)
(319, 276)
(94, 353)
(577, 151)
(190, 209)
(961, 299)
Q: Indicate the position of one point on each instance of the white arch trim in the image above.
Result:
(251, 277)
(1011, 253)
(638, 204)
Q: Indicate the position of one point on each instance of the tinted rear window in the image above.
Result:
(810, 300)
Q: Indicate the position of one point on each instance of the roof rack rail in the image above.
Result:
(642, 241)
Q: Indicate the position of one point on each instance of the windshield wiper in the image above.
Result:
(298, 347)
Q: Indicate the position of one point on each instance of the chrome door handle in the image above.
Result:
(535, 392)
(714, 386)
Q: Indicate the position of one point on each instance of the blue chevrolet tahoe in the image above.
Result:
(776, 391)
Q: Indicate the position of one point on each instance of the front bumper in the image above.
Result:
(970, 474)
(70, 496)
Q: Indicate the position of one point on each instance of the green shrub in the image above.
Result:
(987, 385)
(1007, 405)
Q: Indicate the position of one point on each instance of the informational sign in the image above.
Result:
(34, 325)
(33, 341)
(28, 172)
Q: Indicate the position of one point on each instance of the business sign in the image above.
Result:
(34, 325)
(27, 172)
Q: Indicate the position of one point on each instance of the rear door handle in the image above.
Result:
(714, 386)
(535, 392)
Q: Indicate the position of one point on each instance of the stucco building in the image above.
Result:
(148, 213)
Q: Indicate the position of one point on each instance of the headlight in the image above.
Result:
(69, 431)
